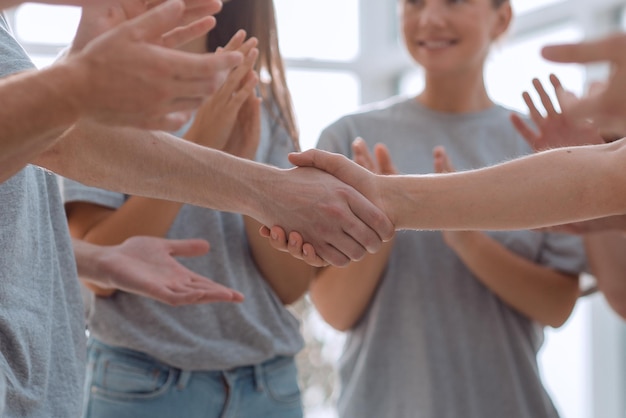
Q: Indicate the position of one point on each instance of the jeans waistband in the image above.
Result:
(254, 371)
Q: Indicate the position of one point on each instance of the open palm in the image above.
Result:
(555, 129)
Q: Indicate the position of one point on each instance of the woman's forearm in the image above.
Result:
(548, 188)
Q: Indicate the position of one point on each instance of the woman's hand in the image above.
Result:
(217, 119)
(555, 129)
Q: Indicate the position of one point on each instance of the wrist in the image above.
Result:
(66, 83)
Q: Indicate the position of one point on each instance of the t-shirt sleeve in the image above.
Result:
(13, 58)
(563, 252)
(74, 191)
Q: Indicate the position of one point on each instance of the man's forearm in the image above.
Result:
(157, 164)
(34, 112)
(548, 188)
(337, 220)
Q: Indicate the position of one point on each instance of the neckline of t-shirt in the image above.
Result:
(481, 114)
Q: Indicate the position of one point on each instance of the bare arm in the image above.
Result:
(538, 292)
(331, 215)
(125, 76)
(548, 188)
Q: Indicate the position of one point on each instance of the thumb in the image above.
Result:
(385, 163)
(442, 162)
(335, 164)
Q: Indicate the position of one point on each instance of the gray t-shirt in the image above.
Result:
(215, 336)
(42, 329)
(434, 341)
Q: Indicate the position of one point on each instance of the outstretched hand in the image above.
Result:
(146, 266)
(604, 105)
(555, 129)
(294, 243)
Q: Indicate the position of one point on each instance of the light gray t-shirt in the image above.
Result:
(215, 336)
(42, 330)
(434, 341)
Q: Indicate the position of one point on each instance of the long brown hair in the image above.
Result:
(258, 19)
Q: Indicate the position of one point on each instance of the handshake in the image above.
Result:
(346, 222)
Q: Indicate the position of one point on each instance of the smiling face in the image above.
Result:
(451, 36)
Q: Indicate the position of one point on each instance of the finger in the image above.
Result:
(563, 96)
(195, 10)
(543, 96)
(154, 23)
(374, 226)
(310, 257)
(362, 155)
(235, 42)
(190, 66)
(336, 164)
(211, 290)
(535, 115)
(188, 247)
(264, 231)
(294, 245)
(304, 251)
(525, 131)
(441, 161)
(248, 45)
(209, 294)
(337, 256)
(351, 174)
(609, 48)
(278, 239)
(556, 83)
(184, 34)
(385, 163)
(241, 81)
(238, 85)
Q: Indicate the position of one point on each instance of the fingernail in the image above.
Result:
(274, 235)
(305, 252)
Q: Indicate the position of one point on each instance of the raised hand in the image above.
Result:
(129, 75)
(555, 129)
(605, 105)
(146, 266)
(227, 116)
(102, 16)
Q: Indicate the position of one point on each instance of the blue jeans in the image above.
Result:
(123, 383)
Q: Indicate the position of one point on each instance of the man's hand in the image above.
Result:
(340, 223)
(605, 105)
(129, 75)
(146, 266)
(309, 250)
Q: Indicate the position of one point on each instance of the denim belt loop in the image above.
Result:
(258, 377)
(183, 379)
